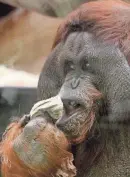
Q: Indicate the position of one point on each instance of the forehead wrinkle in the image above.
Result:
(82, 54)
(78, 46)
(67, 55)
(74, 46)
(75, 42)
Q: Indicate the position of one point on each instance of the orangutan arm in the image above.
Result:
(30, 145)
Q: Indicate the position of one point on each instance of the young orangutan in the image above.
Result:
(21, 140)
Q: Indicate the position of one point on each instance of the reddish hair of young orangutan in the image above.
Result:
(108, 20)
(9, 161)
(59, 160)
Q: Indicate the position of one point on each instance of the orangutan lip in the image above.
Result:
(78, 139)
(72, 112)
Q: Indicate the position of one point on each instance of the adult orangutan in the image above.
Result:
(88, 68)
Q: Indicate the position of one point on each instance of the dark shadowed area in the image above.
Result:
(15, 102)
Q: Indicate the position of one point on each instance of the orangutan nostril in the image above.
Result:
(73, 104)
(70, 105)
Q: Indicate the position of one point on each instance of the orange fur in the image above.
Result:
(12, 166)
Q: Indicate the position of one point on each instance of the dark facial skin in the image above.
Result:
(83, 72)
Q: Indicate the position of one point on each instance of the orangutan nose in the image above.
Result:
(75, 83)
(70, 105)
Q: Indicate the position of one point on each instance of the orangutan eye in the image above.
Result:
(85, 65)
(69, 66)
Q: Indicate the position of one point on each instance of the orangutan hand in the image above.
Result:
(27, 147)
(25, 144)
(35, 146)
